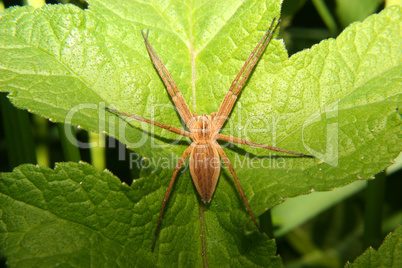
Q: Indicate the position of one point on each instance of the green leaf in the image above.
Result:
(388, 255)
(337, 100)
(77, 216)
(73, 215)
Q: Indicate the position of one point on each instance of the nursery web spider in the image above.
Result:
(204, 130)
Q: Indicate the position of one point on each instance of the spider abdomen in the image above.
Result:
(205, 166)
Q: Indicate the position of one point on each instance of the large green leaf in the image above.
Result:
(337, 100)
(77, 216)
(388, 255)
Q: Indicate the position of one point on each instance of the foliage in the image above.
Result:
(338, 100)
(388, 255)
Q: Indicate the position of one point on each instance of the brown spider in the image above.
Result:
(204, 130)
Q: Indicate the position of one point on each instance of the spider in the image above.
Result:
(204, 130)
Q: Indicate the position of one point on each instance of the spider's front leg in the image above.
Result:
(234, 90)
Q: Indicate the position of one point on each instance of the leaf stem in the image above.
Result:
(203, 235)
(2, 8)
(326, 16)
(34, 3)
(98, 151)
(41, 126)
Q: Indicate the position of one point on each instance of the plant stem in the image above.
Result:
(375, 193)
(2, 8)
(34, 3)
(18, 133)
(326, 16)
(68, 140)
(41, 126)
(97, 152)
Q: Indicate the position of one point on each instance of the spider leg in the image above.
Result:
(227, 162)
(234, 90)
(250, 143)
(171, 86)
(166, 196)
(142, 119)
